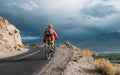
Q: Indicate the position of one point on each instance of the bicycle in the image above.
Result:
(48, 50)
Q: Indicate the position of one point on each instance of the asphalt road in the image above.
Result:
(24, 64)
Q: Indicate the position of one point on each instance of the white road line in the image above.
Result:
(30, 54)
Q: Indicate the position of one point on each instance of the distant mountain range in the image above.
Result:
(109, 42)
(32, 41)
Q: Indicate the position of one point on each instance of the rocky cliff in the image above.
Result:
(10, 38)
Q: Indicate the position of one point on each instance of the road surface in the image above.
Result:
(31, 63)
(23, 64)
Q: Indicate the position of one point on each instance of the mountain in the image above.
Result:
(109, 42)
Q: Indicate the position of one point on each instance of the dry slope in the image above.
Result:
(10, 39)
(69, 61)
(9, 36)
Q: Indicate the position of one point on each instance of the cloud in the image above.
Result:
(30, 38)
(72, 19)
(30, 6)
(26, 5)
(100, 10)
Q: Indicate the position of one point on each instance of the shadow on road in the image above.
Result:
(23, 64)
(32, 54)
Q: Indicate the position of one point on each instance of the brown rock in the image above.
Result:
(9, 36)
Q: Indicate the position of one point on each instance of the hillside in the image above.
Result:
(10, 39)
(103, 43)
(69, 60)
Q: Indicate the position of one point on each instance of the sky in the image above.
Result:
(72, 19)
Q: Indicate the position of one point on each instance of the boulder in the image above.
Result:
(10, 38)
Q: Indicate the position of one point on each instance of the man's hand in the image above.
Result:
(56, 38)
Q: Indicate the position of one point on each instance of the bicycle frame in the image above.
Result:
(48, 48)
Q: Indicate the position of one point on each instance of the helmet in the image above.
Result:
(50, 26)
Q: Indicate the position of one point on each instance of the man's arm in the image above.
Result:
(55, 34)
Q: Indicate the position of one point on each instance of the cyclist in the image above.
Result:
(50, 35)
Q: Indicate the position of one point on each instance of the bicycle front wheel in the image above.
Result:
(47, 53)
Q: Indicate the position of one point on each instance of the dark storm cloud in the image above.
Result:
(72, 19)
(30, 23)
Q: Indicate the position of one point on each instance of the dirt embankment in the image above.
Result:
(57, 64)
(68, 61)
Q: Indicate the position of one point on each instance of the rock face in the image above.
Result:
(10, 38)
